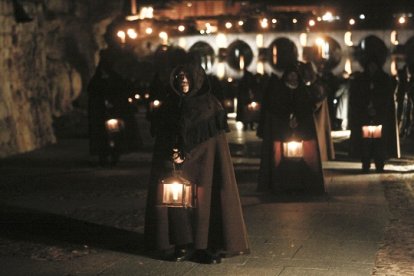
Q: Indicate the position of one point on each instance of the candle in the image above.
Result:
(113, 125)
(293, 149)
(176, 190)
(372, 131)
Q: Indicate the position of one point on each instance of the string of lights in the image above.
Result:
(147, 22)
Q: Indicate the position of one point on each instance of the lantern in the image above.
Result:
(177, 192)
(253, 106)
(372, 131)
(155, 104)
(114, 125)
(293, 149)
(228, 105)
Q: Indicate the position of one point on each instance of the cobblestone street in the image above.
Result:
(396, 254)
(61, 214)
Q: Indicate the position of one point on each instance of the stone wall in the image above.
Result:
(45, 65)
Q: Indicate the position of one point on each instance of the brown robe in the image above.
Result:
(277, 173)
(323, 131)
(196, 125)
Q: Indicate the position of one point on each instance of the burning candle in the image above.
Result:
(253, 106)
(372, 131)
(113, 125)
(293, 149)
(177, 192)
(176, 189)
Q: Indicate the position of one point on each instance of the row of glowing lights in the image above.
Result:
(148, 12)
(132, 34)
(221, 38)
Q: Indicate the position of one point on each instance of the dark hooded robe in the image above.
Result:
(278, 173)
(245, 96)
(196, 124)
(372, 102)
(107, 99)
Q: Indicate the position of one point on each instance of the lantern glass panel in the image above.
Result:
(114, 125)
(372, 131)
(253, 106)
(293, 149)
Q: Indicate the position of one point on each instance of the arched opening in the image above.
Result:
(239, 55)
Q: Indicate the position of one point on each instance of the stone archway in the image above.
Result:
(239, 55)
(371, 49)
(325, 53)
(282, 52)
(203, 53)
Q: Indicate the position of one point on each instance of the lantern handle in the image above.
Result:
(176, 167)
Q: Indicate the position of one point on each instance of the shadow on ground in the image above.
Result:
(27, 225)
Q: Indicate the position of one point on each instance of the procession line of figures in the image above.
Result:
(190, 136)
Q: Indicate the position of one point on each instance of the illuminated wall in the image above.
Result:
(343, 38)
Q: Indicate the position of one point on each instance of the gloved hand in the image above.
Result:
(176, 156)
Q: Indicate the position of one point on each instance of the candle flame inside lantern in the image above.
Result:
(253, 106)
(372, 131)
(176, 189)
(293, 149)
(155, 104)
(177, 192)
(113, 125)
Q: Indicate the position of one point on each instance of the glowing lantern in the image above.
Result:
(164, 37)
(253, 106)
(121, 35)
(228, 105)
(372, 131)
(293, 149)
(114, 125)
(177, 191)
(155, 104)
(132, 33)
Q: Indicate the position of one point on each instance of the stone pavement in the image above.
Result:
(63, 215)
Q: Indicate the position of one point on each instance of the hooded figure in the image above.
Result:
(245, 96)
(190, 130)
(289, 108)
(108, 96)
(372, 103)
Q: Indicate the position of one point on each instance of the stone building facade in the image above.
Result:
(48, 52)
